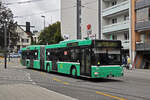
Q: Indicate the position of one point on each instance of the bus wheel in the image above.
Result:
(47, 68)
(73, 72)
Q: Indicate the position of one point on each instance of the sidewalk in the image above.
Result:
(15, 85)
(29, 92)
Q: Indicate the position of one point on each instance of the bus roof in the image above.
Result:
(65, 43)
(34, 47)
(69, 43)
(23, 49)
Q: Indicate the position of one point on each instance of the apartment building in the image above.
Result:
(115, 21)
(142, 33)
(24, 39)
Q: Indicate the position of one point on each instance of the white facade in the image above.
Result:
(24, 39)
(35, 36)
(89, 15)
(68, 18)
(115, 20)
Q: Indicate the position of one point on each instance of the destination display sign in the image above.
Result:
(72, 44)
(107, 44)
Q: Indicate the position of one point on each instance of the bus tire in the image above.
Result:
(48, 67)
(73, 72)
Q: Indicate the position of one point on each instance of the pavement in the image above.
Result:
(16, 84)
(20, 83)
(29, 92)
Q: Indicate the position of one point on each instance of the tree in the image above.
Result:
(51, 34)
(6, 19)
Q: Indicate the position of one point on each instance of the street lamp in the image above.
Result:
(44, 20)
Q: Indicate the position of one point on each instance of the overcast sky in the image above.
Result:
(33, 11)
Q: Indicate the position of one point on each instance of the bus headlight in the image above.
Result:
(96, 73)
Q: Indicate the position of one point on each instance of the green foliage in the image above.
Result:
(51, 34)
(6, 20)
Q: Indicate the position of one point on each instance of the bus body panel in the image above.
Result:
(106, 71)
(65, 67)
(36, 64)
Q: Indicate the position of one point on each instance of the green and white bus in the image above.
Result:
(86, 58)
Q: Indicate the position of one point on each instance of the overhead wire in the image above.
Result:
(56, 10)
(48, 11)
(22, 2)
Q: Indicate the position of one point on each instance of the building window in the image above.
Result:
(113, 3)
(142, 15)
(114, 37)
(126, 36)
(22, 40)
(114, 20)
(34, 38)
(27, 40)
(126, 17)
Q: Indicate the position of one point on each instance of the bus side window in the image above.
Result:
(48, 55)
(36, 54)
(74, 55)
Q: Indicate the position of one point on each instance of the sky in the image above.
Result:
(32, 11)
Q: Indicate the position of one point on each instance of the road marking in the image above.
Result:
(66, 83)
(56, 79)
(42, 73)
(107, 95)
(60, 81)
(33, 83)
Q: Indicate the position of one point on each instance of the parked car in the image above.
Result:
(14, 55)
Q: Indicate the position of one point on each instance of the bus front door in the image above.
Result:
(85, 62)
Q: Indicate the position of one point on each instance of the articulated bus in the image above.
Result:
(85, 58)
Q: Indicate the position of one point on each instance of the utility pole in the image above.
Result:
(99, 19)
(79, 19)
(44, 20)
(9, 47)
(5, 44)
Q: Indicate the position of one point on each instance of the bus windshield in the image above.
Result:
(106, 56)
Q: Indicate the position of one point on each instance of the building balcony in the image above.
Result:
(22, 43)
(116, 27)
(125, 44)
(143, 25)
(142, 4)
(142, 46)
(115, 9)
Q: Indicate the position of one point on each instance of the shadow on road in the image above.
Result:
(81, 79)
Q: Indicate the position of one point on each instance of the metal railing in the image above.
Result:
(143, 45)
(125, 44)
(142, 3)
(115, 6)
(142, 24)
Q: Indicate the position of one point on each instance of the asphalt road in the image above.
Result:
(135, 85)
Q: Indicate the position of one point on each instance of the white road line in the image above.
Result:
(29, 78)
